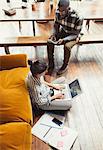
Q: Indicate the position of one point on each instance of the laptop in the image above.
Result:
(70, 90)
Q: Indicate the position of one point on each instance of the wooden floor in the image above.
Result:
(86, 114)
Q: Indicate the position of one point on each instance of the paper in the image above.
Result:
(40, 131)
(47, 118)
(44, 124)
(62, 139)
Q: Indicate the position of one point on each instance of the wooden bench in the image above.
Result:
(22, 41)
(91, 39)
(42, 40)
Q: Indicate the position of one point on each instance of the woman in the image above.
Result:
(41, 92)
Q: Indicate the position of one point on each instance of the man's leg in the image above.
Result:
(50, 53)
(67, 53)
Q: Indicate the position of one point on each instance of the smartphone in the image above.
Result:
(58, 122)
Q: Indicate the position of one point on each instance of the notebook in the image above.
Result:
(70, 90)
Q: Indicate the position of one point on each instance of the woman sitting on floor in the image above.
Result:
(41, 92)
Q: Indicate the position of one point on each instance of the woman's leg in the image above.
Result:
(61, 104)
(61, 80)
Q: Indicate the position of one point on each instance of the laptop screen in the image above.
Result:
(75, 88)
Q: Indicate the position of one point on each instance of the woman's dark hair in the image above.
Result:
(37, 67)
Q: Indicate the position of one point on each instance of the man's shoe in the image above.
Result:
(62, 70)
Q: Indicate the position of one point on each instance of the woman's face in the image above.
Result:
(42, 74)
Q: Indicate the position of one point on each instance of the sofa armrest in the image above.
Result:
(13, 61)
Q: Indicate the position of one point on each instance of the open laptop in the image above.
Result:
(70, 90)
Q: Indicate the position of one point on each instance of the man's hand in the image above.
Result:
(53, 38)
(60, 41)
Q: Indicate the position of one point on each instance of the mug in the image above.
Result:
(33, 7)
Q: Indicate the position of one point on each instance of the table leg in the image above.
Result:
(88, 24)
(33, 24)
(20, 26)
(77, 51)
(8, 1)
(7, 50)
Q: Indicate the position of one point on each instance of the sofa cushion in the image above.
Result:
(15, 136)
(15, 103)
(13, 61)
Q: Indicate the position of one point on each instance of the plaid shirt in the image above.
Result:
(71, 24)
(39, 92)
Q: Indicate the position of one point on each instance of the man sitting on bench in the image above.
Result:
(67, 27)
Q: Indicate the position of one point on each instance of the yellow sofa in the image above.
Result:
(15, 105)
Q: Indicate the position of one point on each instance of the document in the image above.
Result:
(59, 137)
(62, 139)
(45, 124)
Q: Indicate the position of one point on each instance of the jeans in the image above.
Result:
(67, 49)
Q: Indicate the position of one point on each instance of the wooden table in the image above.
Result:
(89, 10)
(42, 12)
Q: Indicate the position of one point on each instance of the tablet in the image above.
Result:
(75, 88)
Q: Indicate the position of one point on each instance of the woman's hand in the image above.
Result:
(57, 96)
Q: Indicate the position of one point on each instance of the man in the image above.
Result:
(67, 26)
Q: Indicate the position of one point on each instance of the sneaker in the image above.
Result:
(62, 70)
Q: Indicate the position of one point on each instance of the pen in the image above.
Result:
(47, 132)
(50, 126)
